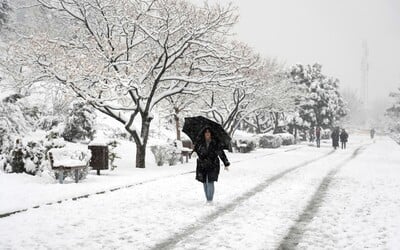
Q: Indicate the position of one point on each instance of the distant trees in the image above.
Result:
(319, 101)
(4, 12)
(393, 113)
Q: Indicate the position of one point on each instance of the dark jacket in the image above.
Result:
(208, 161)
(318, 132)
(344, 136)
(335, 138)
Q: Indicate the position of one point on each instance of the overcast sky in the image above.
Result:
(330, 32)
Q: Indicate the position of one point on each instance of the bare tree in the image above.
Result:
(125, 56)
(177, 107)
(261, 90)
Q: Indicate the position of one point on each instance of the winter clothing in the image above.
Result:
(335, 138)
(209, 189)
(208, 164)
(343, 138)
(318, 136)
(372, 133)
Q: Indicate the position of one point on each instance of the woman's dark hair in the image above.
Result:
(201, 135)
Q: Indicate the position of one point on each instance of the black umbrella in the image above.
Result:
(195, 125)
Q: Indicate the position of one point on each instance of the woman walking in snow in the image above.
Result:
(208, 165)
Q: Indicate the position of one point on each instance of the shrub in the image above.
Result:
(47, 123)
(80, 123)
(5, 140)
(287, 139)
(34, 157)
(112, 155)
(160, 154)
(166, 153)
(173, 155)
(16, 159)
(25, 159)
(245, 146)
(3, 162)
(270, 141)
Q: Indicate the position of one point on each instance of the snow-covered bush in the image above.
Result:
(53, 140)
(287, 139)
(112, 155)
(24, 158)
(16, 159)
(173, 155)
(245, 142)
(34, 157)
(3, 162)
(12, 115)
(5, 140)
(270, 141)
(245, 146)
(47, 123)
(160, 154)
(166, 153)
(79, 124)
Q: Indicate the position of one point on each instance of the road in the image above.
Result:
(309, 198)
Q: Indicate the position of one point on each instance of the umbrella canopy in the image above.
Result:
(195, 125)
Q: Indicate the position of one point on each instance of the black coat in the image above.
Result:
(344, 137)
(208, 161)
(335, 138)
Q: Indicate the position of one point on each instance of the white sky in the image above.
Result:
(329, 32)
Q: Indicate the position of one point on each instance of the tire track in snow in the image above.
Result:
(174, 239)
(85, 196)
(295, 233)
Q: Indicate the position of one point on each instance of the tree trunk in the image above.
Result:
(275, 116)
(141, 156)
(141, 141)
(177, 126)
(258, 130)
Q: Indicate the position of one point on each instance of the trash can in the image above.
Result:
(99, 159)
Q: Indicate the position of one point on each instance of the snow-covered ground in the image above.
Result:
(22, 191)
(307, 198)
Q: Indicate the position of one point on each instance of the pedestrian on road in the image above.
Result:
(344, 136)
(208, 166)
(318, 136)
(335, 138)
(372, 133)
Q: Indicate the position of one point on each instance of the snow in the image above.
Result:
(265, 197)
(70, 156)
(362, 205)
(25, 191)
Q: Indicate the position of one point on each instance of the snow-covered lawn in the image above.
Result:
(257, 205)
(22, 191)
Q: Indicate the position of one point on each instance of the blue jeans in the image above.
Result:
(318, 142)
(209, 189)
